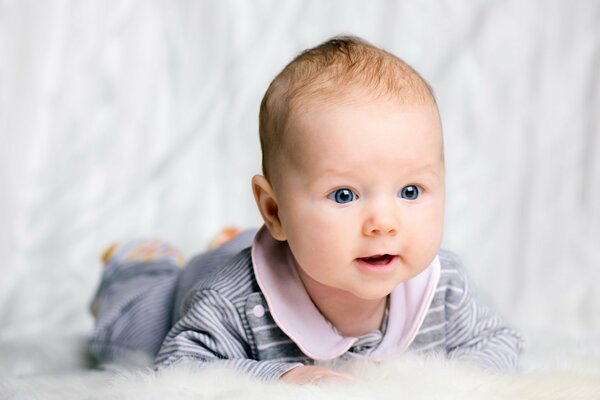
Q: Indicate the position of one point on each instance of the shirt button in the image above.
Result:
(258, 311)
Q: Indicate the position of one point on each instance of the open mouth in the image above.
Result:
(379, 259)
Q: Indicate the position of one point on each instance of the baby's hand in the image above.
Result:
(312, 374)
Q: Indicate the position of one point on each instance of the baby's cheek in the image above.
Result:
(320, 240)
(419, 229)
(430, 217)
(307, 232)
(430, 237)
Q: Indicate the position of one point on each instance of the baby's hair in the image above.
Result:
(329, 72)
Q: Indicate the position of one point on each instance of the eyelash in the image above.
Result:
(418, 188)
(332, 195)
(346, 191)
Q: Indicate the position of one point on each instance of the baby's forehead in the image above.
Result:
(357, 129)
(355, 102)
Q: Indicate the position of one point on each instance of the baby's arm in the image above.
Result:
(476, 333)
(212, 331)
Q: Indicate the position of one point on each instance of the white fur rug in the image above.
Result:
(544, 376)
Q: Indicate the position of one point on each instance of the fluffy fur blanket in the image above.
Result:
(544, 376)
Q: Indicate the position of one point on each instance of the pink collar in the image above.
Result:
(296, 315)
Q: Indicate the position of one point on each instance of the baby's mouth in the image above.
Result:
(379, 259)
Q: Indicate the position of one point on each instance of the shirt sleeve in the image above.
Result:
(212, 331)
(476, 333)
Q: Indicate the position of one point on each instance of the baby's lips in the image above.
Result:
(377, 259)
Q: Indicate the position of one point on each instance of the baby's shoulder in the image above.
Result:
(234, 277)
(452, 273)
(230, 281)
(449, 259)
(233, 281)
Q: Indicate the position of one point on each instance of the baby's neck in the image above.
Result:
(355, 320)
(351, 315)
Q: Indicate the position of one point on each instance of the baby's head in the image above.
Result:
(353, 168)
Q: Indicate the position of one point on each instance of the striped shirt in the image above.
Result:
(226, 319)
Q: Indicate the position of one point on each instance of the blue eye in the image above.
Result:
(410, 192)
(343, 196)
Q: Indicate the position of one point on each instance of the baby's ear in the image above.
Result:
(267, 205)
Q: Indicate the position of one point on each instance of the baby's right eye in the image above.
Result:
(342, 196)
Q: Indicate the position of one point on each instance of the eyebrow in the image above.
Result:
(428, 168)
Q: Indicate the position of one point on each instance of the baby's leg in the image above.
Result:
(134, 301)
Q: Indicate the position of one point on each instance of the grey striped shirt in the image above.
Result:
(225, 319)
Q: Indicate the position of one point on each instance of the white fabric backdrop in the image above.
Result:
(130, 117)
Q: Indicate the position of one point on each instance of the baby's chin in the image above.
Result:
(372, 294)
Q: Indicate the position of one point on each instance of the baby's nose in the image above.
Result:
(379, 225)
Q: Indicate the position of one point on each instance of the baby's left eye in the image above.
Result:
(343, 196)
(410, 192)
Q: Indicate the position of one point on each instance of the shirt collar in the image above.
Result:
(296, 315)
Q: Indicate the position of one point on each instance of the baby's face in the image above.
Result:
(361, 199)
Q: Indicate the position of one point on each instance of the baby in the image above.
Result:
(348, 263)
